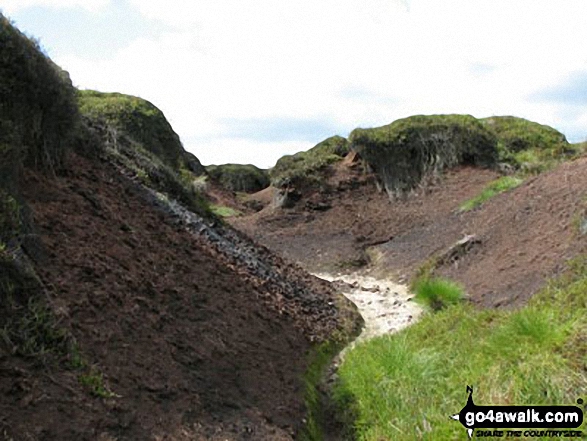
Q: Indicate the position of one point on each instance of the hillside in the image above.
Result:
(522, 237)
(469, 274)
(146, 297)
(128, 309)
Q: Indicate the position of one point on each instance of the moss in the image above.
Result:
(239, 177)
(404, 152)
(307, 169)
(319, 360)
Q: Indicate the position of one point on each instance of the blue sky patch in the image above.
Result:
(278, 129)
(79, 32)
(572, 91)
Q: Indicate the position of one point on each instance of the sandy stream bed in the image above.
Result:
(386, 306)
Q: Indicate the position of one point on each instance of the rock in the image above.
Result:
(455, 252)
(286, 197)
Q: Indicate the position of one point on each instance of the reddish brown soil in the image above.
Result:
(360, 217)
(193, 348)
(526, 235)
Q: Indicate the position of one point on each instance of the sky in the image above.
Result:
(250, 81)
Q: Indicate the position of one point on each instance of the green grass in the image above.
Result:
(31, 331)
(94, 382)
(223, 211)
(404, 386)
(496, 187)
(437, 293)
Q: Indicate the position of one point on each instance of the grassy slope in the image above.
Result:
(404, 386)
(139, 119)
(138, 136)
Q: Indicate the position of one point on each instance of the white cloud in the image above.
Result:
(244, 151)
(13, 6)
(346, 63)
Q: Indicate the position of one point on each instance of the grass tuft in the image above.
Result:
(437, 293)
(496, 187)
(223, 211)
(94, 382)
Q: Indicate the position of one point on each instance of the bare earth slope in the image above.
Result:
(193, 344)
(526, 235)
(359, 216)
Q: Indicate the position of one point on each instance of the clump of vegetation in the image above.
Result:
(239, 177)
(404, 152)
(94, 382)
(10, 221)
(496, 187)
(306, 169)
(425, 271)
(404, 386)
(32, 331)
(437, 293)
(517, 134)
(224, 211)
(141, 121)
(39, 113)
(528, 146)
(27, 326)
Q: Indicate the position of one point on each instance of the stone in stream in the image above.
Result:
(371, 289)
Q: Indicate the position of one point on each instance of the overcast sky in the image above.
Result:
(250, 81)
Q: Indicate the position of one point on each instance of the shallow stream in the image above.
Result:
(386, 306)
